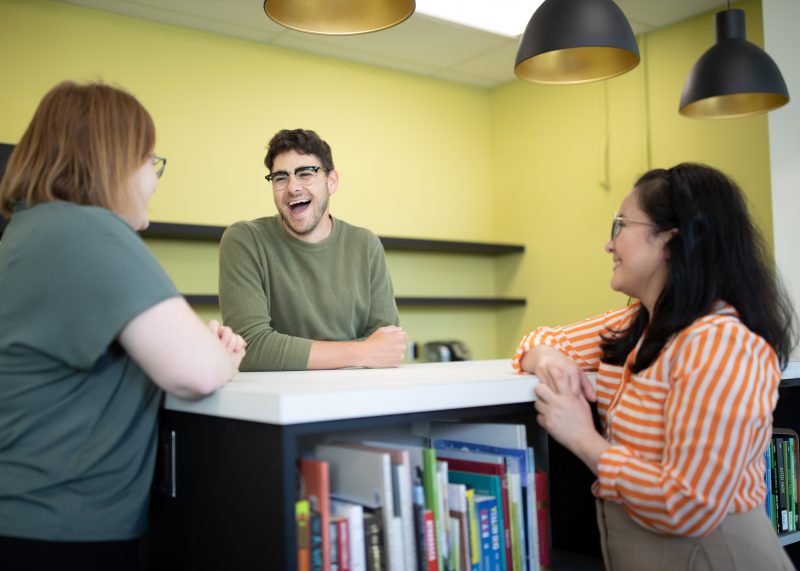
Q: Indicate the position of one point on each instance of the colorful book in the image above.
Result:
(474, 531)
(334, 547)
(492, 466)
(365, 477)
(459, 512)
(401, 489)
(509, 440)
(315, 486)
(519, 480)
(303, 530)
(433, 502)
(783, 516)
(418, 498)
(373, 539)
(492, 556)
(342, 528)
(543, 514)
(431, 549)
(355, 528)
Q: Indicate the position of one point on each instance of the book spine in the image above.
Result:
(303, 521)
(432, 501)
(343, 544)
(543, 518)
(418, 495)
(531, 519)
(373, 541)
(774, 471)
(768, 485)
(334, 545)
(783, 516)
(431, 550)
(792, 484)
(316, 542)
(474, 531)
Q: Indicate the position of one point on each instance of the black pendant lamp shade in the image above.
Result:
(339, 17)
(576, 41)
(734, 78)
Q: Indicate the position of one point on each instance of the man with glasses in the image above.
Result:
(304, 289)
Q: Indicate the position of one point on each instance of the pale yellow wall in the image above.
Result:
(555, 148)
(540, 165)
(412, 152)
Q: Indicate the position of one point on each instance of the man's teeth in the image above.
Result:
(301, 202)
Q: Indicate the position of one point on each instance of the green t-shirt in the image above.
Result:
(77, 416)
(280, 293)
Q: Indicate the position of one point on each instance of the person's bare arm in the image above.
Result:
(178, 352)
(385, 348)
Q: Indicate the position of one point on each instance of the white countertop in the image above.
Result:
(295, 397)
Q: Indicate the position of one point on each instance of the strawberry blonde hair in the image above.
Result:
(82, 146)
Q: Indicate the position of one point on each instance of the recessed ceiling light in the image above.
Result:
(505, 17)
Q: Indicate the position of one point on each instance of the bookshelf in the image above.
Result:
(235, 452)
(786, 416)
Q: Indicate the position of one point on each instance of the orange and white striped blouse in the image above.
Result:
(688, 434)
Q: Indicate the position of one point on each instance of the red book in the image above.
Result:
(543, 515)
(342, 541)
(430, 541)
(492, 470)
(316, 486)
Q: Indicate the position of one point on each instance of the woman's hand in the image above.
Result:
(567, 417)
(556, 370)
(234, 343)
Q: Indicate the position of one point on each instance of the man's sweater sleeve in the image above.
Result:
(245, 302)
(383, 309)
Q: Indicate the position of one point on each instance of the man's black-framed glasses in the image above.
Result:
(159, 164)
(304, 175)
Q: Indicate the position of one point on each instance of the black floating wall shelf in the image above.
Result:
(213, 300)
(173, 231)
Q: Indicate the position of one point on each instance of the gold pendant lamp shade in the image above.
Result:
(734, 78)
(339, 17)
(576, 41)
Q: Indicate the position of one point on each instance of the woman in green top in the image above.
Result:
(92, 331)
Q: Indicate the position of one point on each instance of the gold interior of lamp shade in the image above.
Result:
(732, 106)
(341, 17)
(577, 65)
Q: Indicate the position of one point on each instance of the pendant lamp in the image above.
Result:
(342, 17)
(734, 78)
(576, 41)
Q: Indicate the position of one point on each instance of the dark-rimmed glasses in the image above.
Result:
(159, 164)
(620, 221)
(304, 175)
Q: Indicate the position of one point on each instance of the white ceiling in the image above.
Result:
(420, 45)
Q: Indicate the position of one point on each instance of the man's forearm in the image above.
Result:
(334, 355)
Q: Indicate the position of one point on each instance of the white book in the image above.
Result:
(404, 506)
(365, 477)
(355, 520)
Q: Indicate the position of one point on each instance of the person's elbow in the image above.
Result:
(194, 382)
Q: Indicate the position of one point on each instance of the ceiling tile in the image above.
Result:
(421, 44)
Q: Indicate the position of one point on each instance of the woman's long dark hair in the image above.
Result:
(717, 254)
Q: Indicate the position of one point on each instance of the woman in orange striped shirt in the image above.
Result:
(687, 379)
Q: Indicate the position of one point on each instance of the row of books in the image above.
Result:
(782, 464)
(470, 499)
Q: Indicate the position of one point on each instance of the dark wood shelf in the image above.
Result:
(199, 232)
(210, 299)
(174, 231)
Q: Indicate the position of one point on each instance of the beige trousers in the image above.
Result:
(742, 542)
